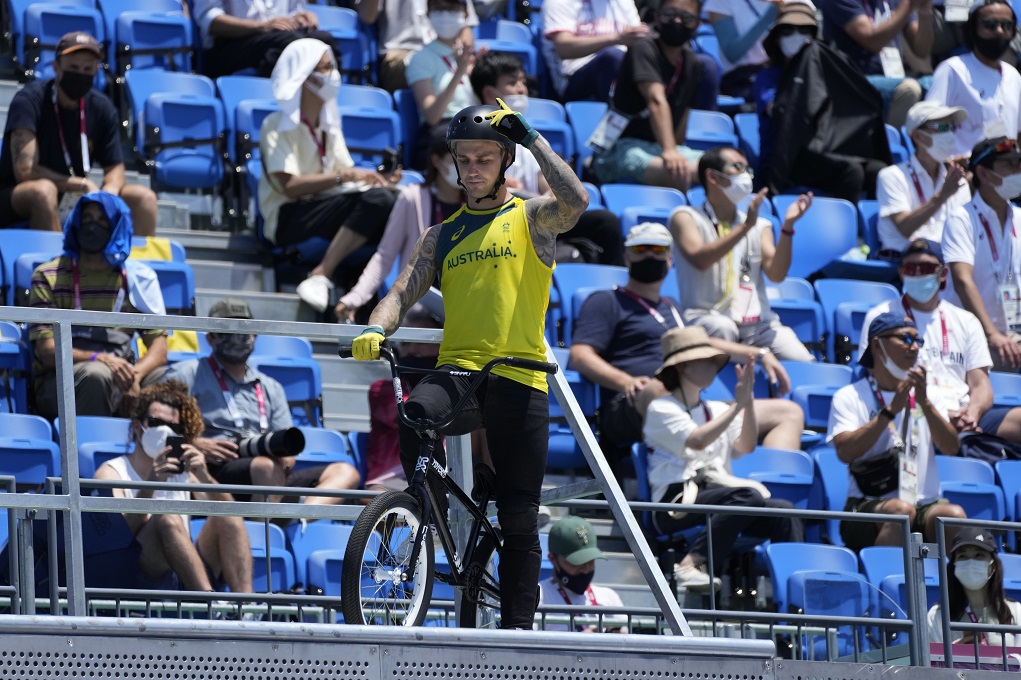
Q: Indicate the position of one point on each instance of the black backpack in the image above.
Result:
(989, 447)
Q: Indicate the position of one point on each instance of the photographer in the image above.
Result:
(236, 402)
(165, 426)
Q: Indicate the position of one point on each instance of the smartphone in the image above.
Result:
(176, 445)
(391, 162)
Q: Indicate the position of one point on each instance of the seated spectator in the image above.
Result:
(726, 255)
(94, 274)
(309, 186)
(819, 118)
(242, 34)
(597, 233)
(237, 401)
(867, 423)
(691, 444)
(980, 82)
(976, 591)
(221, 550)
(740, 26)
(870, 34)
(657, 84)
(916, 196)
(981, 244)
(616, 345)
(573, 551)
(43, 174)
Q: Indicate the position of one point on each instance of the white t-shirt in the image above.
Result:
(964, 240)
(122, 466)
(992, 98)
(897, 192)
(526, 170)
(668, 424)
(855, 405)
(255, 10)
(745, 14)
(582, 18)
(935, 621)
(550, 594)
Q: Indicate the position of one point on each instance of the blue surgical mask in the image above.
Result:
(921, 288)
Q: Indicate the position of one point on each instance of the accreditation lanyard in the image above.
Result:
(918, 186)
(974, 619)
(232, 408)
(653, 312)
(893, 430)
(677, 74)
(320, 145)
(994, 251)
(705, 411)
(86, 160)
(77, 287)
(452, 67)
(942, 324)
(589, 595)
(722, 229)
(871, 15)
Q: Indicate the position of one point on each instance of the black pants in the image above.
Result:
(601, 227)
(726, 528)
(365, 213)
(843, 176)
(516, 418)
(259, 51)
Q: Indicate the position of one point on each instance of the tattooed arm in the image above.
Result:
(552, 215)
(410, 286)
(25, 152)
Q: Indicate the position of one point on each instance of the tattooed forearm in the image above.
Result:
(410, 286)
(23, 151)
(557, 213)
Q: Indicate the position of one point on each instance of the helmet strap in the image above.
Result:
(500, 181)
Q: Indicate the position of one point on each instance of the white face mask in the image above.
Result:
(921, 288)
(154, 440)
(325, 86)
(517, 102)
(895, 370)
(1010, 187)
(740, 187)
(790, 45)
(448, 171)
(973, 574)
(944, 145)
(447, 24)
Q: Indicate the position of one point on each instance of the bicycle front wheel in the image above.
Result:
(379, 584)
(480, 598)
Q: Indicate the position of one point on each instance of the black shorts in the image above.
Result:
(8, 217)
(364, 213)
(239, 471)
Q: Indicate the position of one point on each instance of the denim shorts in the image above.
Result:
(629, 158)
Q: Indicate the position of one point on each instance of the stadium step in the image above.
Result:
(346, 391)
(276, 306)
(232, 276)
(215, 245)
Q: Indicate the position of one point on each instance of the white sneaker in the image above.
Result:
(695, 578)
(315, 291)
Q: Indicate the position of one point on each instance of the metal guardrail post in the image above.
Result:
(459, 460)
(919, 611)
(26, 565)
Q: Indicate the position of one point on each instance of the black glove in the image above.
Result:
(483, 483)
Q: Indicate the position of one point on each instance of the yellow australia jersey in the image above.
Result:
(495, 291)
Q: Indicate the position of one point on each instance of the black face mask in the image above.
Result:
(75, 85)
(991, 48)
(93, 237)
(578, 583)
(674, 33)
(649, 270)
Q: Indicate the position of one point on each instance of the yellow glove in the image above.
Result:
(512, 125)
(366, 346)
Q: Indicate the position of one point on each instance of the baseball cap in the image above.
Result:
(76, 41)
(989, 150)
(648, 234)
(574, 539)
(230, 308)
(980, 538)
(924, 111)
(926, 245)
(880, 326)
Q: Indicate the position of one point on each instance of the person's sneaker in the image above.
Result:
(694, 578)
(315, 291)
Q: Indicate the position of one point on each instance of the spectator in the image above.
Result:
(981, 245)
(725, 253)
(221, 550)
(662, 77)
(986, 87)
(976, 590)
(94, 274)
(916, 196)
(242, 34)
(309, 186)
(43, 174)
(403, 30)
(499, 74)
(616, 345)
(818, 117)
(573, 551)
(956, 355)
(867, 422)
(870, 32)
(692, 442)
(740, 26)
(238, 401)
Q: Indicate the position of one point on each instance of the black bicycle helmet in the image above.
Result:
(470, 124)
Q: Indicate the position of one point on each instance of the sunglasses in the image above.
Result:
(992, 24)
(642, 249)
(1006, 146)
(909, 339)
(784, 31)
(153, 421)
(919, 268)
(939, 127)
(686, 18)
(740, 167)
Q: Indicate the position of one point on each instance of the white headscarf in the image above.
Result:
(296, 63)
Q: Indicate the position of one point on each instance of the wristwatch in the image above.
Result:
(763, 351)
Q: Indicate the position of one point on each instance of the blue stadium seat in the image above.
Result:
(868, 216)
(826, 593)
(560, 136)
(368, 132)
(640, 460)
(411, 121)
(827, 231)
(143, 83)
(787, 474)
(545, 109)
(564, 451)
(323, 447)
(44, 25)
(845, 303)
(800, 312)
(1008, 474)
(365, 96)
(957, 469)
(709, 129)
(248, 118)
(587, 393)
(830, 487)
(185, 140)
(1006, 388)
(1011, 575)
(583, 116)
(884, 569)
(27, 450)
(233, 90)
(311, 537)
(979, 501)
(359, 443)
(897, 150)
(595, 197)
(281, 574)
(637, 203)
(526, 52)
(747, 126)
(283, 345)
(568, 278)
(16, 242)
(99, 440)
(785, 559)
(792, 288)
(177, 282)
(24, 268)
(160, 39)
(302, 381)
(15, 363)
(353, 39)
(812, 387)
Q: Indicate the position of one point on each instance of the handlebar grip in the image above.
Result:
(531, 365)
(346, 352)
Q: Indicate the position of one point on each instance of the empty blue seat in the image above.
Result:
(845, 303)
(283, 345)
(897, 150)
(302, 382)
(410, 119)
(709, 129)
(821, 592)
(280, 574)
(353, 39)
(323, 447)
(311, 537)
(185, 140)
(1006, 388)
(830, 487)
(583, 116)
(1008, 473)
(99, 440)
(15, 362)
(526, 52)
(787, 474)
(545, 109)
(233, 90)
(16, 242)
(365, 96)
(785, 559)
(1011, 575)
(27, 450)
(827, 231)
(149, 39)
(368, 132)
(812, 387)
(177, 282)
(142, 83)
(747, 126)
(637, 203)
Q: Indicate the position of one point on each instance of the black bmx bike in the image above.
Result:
(390, 561)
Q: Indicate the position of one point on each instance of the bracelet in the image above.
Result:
(787, 232)
(94, 355)
(887, 413)
(82, 187)
(338, 178)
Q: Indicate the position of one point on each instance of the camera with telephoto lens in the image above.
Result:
(289, 442)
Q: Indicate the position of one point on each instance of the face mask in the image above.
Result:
(790, 45)
(93, 237)
(578, 583)
(449, 173)
(325, 86)
(447, 24)
(921, 288)
(649, 270)
(234, 348)
(944, 145)
(896, 371)
(740, 187)
(973, 574)
(75, 85)
(1009, 187)
(991, 48)
(517, 102)
(674, 33)
(154, 440)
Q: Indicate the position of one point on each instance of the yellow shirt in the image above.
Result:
(495, 291)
